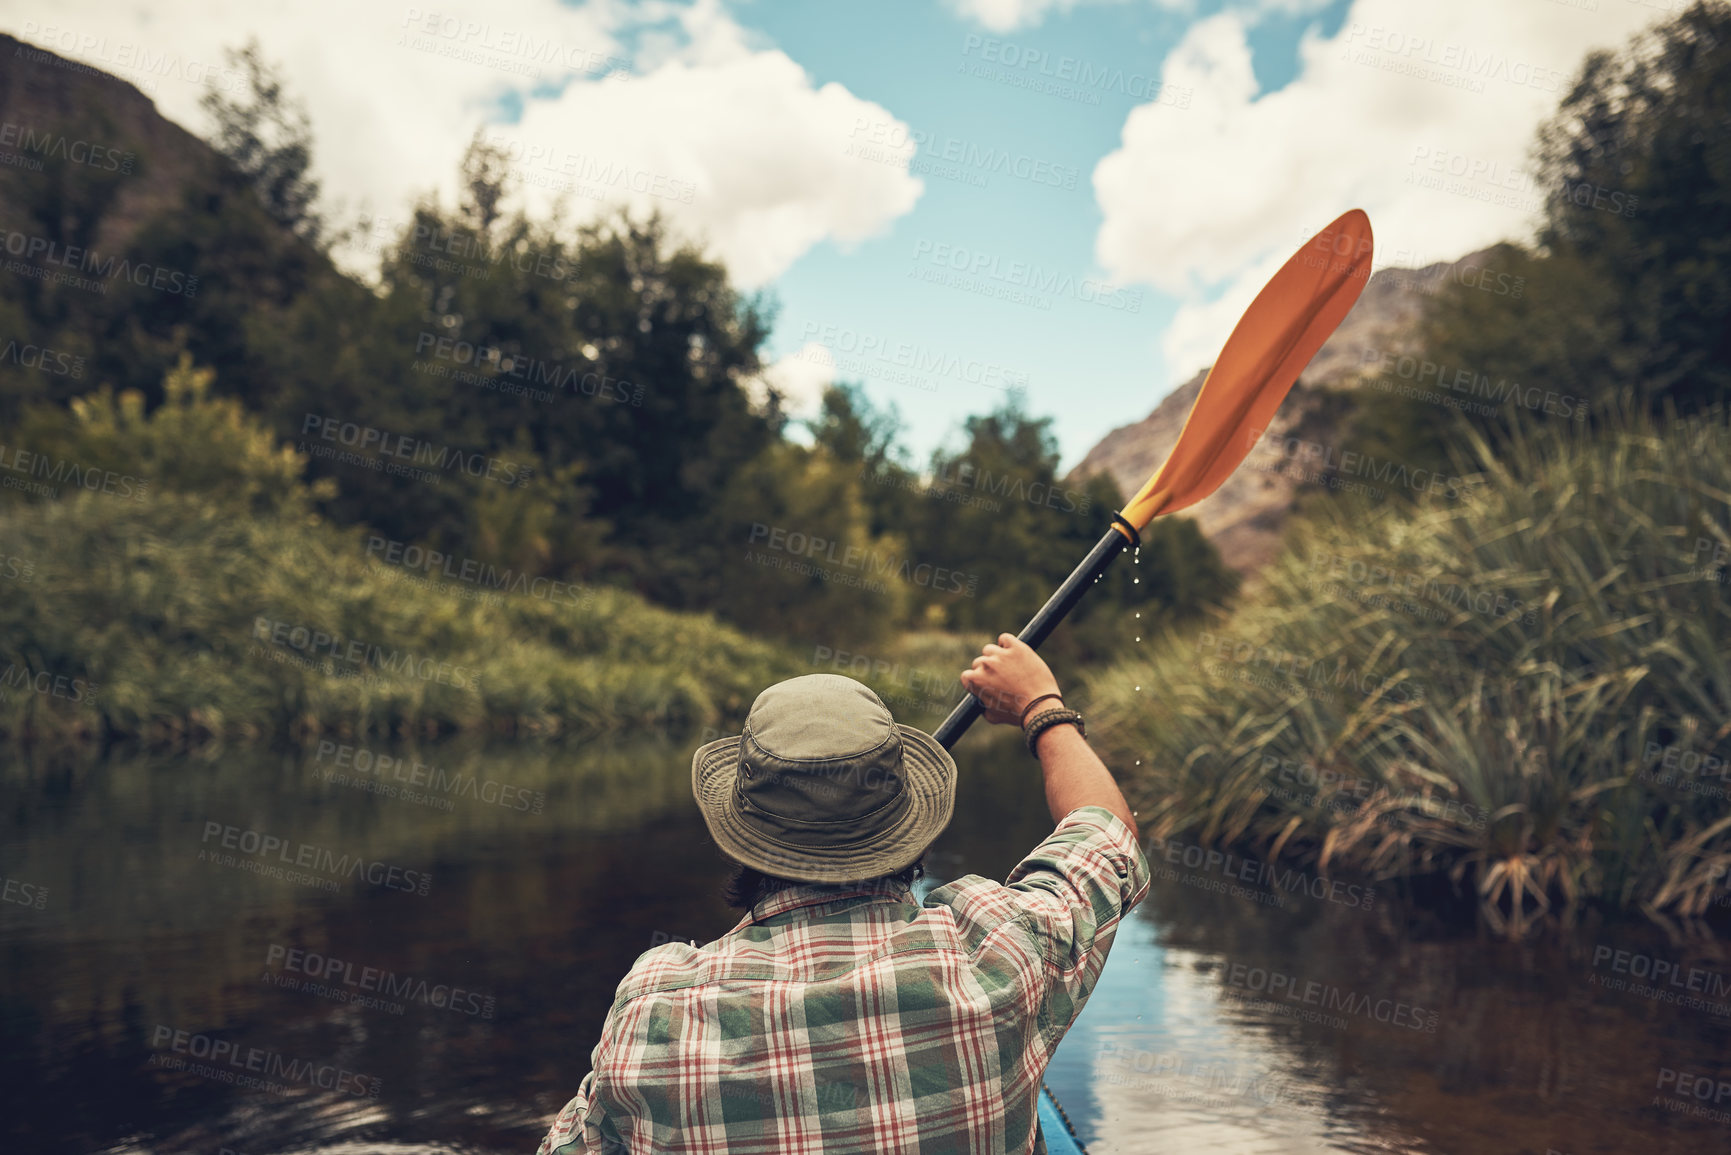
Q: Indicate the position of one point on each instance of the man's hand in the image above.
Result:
(1006, 677)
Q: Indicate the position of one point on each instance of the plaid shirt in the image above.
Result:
(840, 1018)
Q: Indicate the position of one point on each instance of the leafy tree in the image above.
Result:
(1640, 180)
(268, 138)
(800, 559)
(850, 429)
(193, 443)
(1628, 290)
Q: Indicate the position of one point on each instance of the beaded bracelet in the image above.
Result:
(1049, 719)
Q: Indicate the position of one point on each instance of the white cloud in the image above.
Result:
(732, 144)
(395, 95)
(1011, 15)
(799, 377)
(1206, 202)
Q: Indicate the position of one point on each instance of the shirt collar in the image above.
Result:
(814, 894)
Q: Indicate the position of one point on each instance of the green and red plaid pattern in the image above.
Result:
(842, 1018)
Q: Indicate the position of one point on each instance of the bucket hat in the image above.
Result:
(824, 785)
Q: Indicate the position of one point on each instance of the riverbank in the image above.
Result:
(175, 621)
(1523, 689)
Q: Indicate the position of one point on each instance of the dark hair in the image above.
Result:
(747, 887)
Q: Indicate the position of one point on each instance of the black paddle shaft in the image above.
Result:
(1081, 579)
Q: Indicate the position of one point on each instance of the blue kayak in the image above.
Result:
(1055, 1126)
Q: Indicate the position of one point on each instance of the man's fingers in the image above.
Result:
(1007, 640)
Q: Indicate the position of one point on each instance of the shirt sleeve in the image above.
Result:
(1071, 893)
(581, 1126)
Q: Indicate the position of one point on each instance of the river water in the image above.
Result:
(143, 965)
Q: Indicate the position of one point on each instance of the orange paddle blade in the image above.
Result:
(1275, 339)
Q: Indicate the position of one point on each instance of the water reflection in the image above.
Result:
(193, 923)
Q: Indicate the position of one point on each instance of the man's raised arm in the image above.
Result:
(1007, 678)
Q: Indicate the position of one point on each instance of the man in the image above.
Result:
(842, 1015)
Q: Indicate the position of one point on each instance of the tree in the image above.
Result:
(1628, 288)
(1639, 176)
(268, 138)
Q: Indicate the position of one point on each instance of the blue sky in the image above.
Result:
(1089, 367)
(939, 235)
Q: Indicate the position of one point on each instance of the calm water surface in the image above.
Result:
(1237, 1022)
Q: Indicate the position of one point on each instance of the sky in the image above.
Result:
(955, 203)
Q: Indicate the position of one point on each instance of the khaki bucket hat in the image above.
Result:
(824, 785)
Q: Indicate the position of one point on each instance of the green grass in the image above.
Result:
(1480, 690)
(157, 604)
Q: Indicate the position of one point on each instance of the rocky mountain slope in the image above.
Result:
(55, 109)
(1245, 517)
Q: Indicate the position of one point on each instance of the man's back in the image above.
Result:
(844, 1017)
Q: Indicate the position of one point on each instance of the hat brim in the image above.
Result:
(928, 776)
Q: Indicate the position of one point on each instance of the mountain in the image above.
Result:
(104, 132)
(1246, 516)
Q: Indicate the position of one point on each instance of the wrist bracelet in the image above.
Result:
(1049, 719)
(1024, 718)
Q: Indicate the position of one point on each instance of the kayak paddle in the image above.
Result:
(1286, 324)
